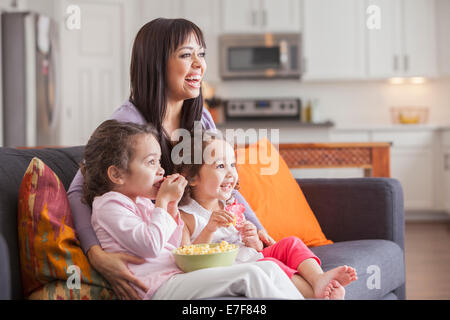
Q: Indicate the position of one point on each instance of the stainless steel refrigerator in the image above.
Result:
(29, 50)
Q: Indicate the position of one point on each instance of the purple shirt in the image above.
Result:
(81, 212)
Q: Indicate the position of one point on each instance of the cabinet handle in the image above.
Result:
(253, 18)
(395, 62)
(406, 62)
(264, 18)
(446, 162)
(305, 64)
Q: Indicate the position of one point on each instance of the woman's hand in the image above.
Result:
(219, 219)
(250, 236)
(265, 238)
(113, 267)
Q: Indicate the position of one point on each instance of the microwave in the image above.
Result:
(260, 56)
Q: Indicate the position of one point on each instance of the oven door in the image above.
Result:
(259, 56)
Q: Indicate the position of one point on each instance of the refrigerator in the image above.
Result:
(29, 104)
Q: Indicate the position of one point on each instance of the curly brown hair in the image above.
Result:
(111, 144)
(189, 168)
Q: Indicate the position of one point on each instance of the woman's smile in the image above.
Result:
(194, 80)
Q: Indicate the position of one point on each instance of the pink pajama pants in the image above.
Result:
(288, 253)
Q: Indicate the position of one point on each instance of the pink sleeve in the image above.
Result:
(143, 239)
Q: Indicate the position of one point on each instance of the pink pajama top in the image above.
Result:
(139, 229)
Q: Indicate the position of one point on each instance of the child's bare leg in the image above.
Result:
(322, 283)
(303, 286)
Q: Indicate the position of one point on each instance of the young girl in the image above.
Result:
(122, 173)
(210, 184)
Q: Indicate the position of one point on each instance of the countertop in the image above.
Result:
(259, 124)
(292, 124)
(392, 127)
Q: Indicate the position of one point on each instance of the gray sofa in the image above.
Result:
(363, 216)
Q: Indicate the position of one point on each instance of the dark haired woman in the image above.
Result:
(167, 66)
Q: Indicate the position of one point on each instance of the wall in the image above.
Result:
(350, 103)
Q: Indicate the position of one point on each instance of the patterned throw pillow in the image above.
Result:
(53, 265)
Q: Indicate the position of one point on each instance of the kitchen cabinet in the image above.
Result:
(412, 163)
(155, 9)
(443, 40)
(255, 16)
(412, 160)
(405, 44)
(333, 33)
(445, 170)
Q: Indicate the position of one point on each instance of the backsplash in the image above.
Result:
(351, 103)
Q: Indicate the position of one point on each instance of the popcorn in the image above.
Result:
(206, 248)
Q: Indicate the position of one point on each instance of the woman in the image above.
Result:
(167, 66)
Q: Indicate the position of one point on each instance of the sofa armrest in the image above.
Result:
(5, 274)
(357, 208)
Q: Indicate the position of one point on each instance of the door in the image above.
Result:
(333, 33)
(413, 168)
(446, 178)
(92, 62)
(384, 45)
(420, 38)
(241, 16)
(280, 15)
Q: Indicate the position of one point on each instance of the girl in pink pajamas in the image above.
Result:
(203, 205)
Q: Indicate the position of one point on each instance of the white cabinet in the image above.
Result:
(151, 9)
(333, 33)
(412, 163)
(443, 40)
(256, 16)
(384, 44)
(420, 38)
(446, 179)
(445, 170)
(280, 15)
(405, 45)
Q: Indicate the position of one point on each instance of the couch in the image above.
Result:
(363, 216)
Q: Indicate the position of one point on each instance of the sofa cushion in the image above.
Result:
(269, 187)
(48, 247)
(372, 259)
(57, 290)
(13, 164)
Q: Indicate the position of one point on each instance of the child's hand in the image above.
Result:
(250, 236)
(171, 190)
(218, 219)
(265, 238)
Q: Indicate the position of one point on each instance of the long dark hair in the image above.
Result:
(111, 144)
(153, 45)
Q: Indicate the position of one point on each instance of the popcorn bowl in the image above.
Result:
(192, 262)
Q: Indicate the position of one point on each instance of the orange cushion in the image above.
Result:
(50, 254)
(272, 192)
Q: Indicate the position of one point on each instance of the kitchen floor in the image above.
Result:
(427, 249)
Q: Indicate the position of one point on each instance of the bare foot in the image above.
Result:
(337, 291)
(323, 284)
(326, 293)
(344, 274)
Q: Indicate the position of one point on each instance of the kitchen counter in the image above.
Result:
(392, 127)
(292, 124)
(274, 124)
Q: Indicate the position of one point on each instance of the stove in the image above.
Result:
(269, 109)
